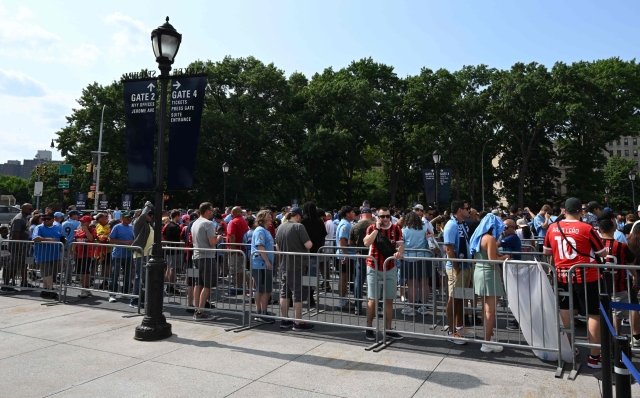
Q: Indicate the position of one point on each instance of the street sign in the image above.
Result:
(140, 123)
(127, 198)
(92, 188)
(37, 188)
(65, 169)
(81, 200)
(63, 183)
(65, 191)
(103, 201)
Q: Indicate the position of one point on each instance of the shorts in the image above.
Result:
(207, 273)
(620, 297)
(348, 267)
(415, 269)
(173, 260)
(591, 307)
(48, 268)
(463, 279)
(236, 263)
(84, 265)
(374, 288)
(263, 279)
(292, 287)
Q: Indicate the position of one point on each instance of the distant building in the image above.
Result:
(15, 169)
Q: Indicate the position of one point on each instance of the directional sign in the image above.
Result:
(187, 99)
(65, 169)
(103, 201)
(92, 188)
(63, 183)
(140, 121)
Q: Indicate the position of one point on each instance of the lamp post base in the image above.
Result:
(154, 325)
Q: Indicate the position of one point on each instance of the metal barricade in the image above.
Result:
(488, 288)
(605, 281)
(294, 277)
(104, 268)
(416, 270)
(212, 277)
(32, 266)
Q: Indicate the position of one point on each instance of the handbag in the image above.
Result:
(384, 246)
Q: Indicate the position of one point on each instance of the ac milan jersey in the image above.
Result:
(579, 245)
(623, 256)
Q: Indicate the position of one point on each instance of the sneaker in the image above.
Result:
(370, 335)
(267, 320)
(53, 295)
(594, 363)
(635, 342)
(357, 311)
(191, 310)
(423, 310)
(393, 335)
(491, 348)
(209, 305)
(112, 299)
(455, 335)
(408, 311)
(513, 325)
(89, 294)
(44, 294)
(302, 326)
(135, 305)
(83, 294)
(466, 333)
(342, 303)
(625, 322)
(286, 324)
(203, 316)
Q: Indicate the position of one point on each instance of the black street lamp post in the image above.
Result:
(632, 177)
(225, 170)
(606, 195)
(166, 42)
(436, 161)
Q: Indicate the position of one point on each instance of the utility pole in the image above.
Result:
(100, 153)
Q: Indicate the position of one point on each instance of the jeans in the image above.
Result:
(127, 264)
(140, 275)
(361, 276)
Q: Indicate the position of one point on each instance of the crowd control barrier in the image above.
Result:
(616, 295)
(33, 266)
(534, 306)
(106, 268)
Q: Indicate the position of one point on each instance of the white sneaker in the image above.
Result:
(89, 294)
(491, 348)
(342, 303)
(423, 310)
(83, 294)
(466, 333)
(112, 299)
(408, 311)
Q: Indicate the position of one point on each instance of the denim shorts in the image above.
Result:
(374, 287)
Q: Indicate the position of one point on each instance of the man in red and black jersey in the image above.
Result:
(376, 272)
(573, 242)
(616, 283)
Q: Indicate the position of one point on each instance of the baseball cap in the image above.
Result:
(86, 219)
(521, 222)
(495, 212)
(365, 210)
(185, 217)
(418, 207)
(57, 214)
(297, 210)
(127, 214)
(72, 212)
(573, 205)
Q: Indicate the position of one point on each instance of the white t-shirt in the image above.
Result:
(331, 231)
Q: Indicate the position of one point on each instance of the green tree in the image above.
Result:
(16, 186)
(616, 177)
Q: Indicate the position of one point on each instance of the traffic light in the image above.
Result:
(89, 167)
(40, 170)
(91, 195)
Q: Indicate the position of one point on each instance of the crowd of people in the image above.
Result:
(381, 250)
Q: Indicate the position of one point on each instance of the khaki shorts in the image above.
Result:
(236, 263)
(463, 279)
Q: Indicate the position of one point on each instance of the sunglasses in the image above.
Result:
(384, 215)
(584, 208)
(47, 218)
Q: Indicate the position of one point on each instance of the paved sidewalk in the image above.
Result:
(79, 351)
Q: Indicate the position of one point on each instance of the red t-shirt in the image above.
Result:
(237, 226)
(394, 234)
(584, 239)
(79, 235)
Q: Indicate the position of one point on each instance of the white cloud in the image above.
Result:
(131, 37)
(21, 38)
(18, 84)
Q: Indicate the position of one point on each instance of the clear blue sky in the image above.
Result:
(50, 50)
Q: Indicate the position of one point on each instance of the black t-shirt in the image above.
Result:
(316, 231)
(627, 229)
(172, 232)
